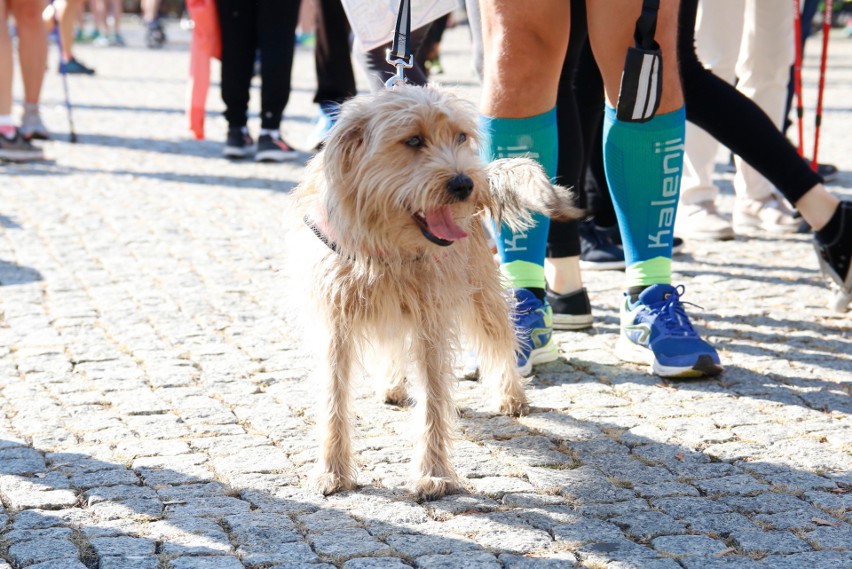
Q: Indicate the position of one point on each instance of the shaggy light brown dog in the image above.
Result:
(399, 263)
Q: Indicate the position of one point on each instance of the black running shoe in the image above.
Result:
(155, 36)
(18, 149)
(597, 250)
(273, 149)
(571, 311)
(835, 258)
(239, 144)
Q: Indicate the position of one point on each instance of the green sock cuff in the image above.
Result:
(653, 271)
(522, 274)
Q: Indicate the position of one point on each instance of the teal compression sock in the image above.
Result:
(643, 163)
(522, 253)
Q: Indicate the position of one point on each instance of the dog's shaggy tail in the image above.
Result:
(520, 186)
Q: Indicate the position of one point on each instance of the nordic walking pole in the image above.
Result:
(826, 29)
(797, 76)
(72, 136)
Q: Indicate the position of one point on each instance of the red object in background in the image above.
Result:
(826, 29)
(797, 76)
(206, 44)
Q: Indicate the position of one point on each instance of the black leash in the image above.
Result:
(399, 55)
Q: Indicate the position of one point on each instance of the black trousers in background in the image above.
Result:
(248, 26)
(335, 78)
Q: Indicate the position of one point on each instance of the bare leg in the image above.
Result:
(117, 13)
(610, 38)
(524, 44)
(99, 12)
(32, 46)
(563, 274)
(150, 9)
(817, 206)
(307, 17)
(67, 18)
(5, 63)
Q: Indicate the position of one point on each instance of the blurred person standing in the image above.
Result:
(32, 56)
(155, 35)
(750, 43)
(104, 11)
(67, 13)
(248, 27)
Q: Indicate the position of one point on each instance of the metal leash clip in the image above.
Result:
(399, 55)
(401, 65)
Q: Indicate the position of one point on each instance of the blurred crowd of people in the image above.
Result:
(726, 63)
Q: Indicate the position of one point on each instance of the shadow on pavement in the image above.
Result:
(8, 223)
(14, 274)
(598, 489)
(185, 147)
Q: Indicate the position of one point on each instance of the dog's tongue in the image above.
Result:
(441, 224)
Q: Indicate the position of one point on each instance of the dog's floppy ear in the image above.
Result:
(345, 142)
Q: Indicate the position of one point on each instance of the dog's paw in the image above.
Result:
(397, 395)
(329, 482)
(434, 487)
(514, 406)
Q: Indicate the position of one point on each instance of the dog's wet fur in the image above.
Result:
(397, 196)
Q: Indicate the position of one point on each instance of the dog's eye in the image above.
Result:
(414, 142)
(462, 137)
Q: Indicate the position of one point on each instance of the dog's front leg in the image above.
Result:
(335, 468)
(435, 408)
(495, 343)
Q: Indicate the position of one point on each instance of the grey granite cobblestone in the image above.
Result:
(156, 399)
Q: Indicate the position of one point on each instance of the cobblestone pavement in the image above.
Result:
(155, 405)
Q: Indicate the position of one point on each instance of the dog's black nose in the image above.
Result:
(460, 187)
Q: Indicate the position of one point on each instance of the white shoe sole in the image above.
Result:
(726, 235)
(630, 352)
(21, 155)
(746, 226)
(545, 354)
(274, 156)
(572, 321)
(231, 152)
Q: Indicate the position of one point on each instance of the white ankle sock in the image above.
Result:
(7, 126)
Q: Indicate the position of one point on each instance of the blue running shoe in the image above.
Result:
(533, 319)
(656, 330)
(325, 121)
(72, 66)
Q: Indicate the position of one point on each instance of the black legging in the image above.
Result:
(711, 103)
(335, 78)
(249, 25)
(735, 120)
(563, 239)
